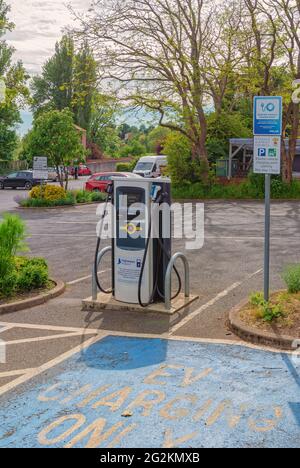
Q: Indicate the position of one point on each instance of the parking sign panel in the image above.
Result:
(267, 115)
(267, 151)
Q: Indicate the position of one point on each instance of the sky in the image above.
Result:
(39, 24)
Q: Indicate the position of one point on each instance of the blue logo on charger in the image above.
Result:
(262, 152)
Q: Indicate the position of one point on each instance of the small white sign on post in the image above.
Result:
(267, 154)
(40, 168)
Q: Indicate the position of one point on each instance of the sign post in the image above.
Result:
(267, 129)
(40, 170)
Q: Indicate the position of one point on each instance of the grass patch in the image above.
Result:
(252, 188)
(285, 313)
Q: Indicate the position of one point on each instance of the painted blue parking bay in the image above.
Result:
(144, 392)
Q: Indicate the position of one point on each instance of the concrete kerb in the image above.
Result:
(255, 335)
(34, 301)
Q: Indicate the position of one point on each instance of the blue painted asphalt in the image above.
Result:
(135, 392)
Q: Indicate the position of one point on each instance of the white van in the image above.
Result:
(151, 166)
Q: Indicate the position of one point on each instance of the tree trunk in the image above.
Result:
(66, 173)
(199, 154)
(60, 178)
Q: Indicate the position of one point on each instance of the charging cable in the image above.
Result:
(109, 191)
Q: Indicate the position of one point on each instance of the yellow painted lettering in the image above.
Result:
(115, 400)
(143, 400)
(170, 410)
(43, 435)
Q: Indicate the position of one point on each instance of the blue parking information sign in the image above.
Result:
(267, 115)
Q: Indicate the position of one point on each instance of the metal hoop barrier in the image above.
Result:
(94, 283)
(168, 279)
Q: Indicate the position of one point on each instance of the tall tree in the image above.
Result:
(84, 86)
(17, 93)
(54, 88)
(54, 135)
(154, 49)
(276, 32)
(68, 81)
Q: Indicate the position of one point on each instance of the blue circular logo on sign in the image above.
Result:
(270, 107)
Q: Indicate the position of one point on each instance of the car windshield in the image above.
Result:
(144, 166)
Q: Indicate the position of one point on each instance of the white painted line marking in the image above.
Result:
(43, 338)
(166, 336)
(39, 370)
(210, 303)
(16, 372)
(32, 326)
(7, 327)
(80, 280)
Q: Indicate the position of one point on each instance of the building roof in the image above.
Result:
(248, 143)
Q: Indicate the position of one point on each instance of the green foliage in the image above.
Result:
(180, 165)
(15, 79)
(266, 310)
(133, 148)
(12, 235)
(256, 298)
(222, 127)
(8, 283)
(127, 167)
(55, 136)
(18, 274)
(83, 196)
(71, 198)
(68, 200)
(291, 276)
(32, 275)
(68, 81)
(53, 89)
(156, 140)
(97, 196)
(253, 188)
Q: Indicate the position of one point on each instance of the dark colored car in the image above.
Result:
(19, 179)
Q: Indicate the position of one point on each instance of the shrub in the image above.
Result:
(69, 200)
(98, 196)
(48, 192)
(8, 283)
(12, 235)
(33, 275)
(82, 196)
(291, 276)
(127, 167)
(178, 150)
(266, 310)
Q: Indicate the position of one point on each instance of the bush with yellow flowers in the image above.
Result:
(49, 193)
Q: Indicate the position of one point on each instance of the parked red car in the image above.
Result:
(99, 182)
(82, 171)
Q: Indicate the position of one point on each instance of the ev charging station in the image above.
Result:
(136, 216)
(141, 250)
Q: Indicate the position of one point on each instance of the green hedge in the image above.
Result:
(253, 188)
(72, 198)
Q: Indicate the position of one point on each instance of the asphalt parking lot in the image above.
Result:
(223, 272)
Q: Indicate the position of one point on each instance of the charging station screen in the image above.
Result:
(131, 219)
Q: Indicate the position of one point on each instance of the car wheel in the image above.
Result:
(28, 186)
(96, 190)
(1, 185)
